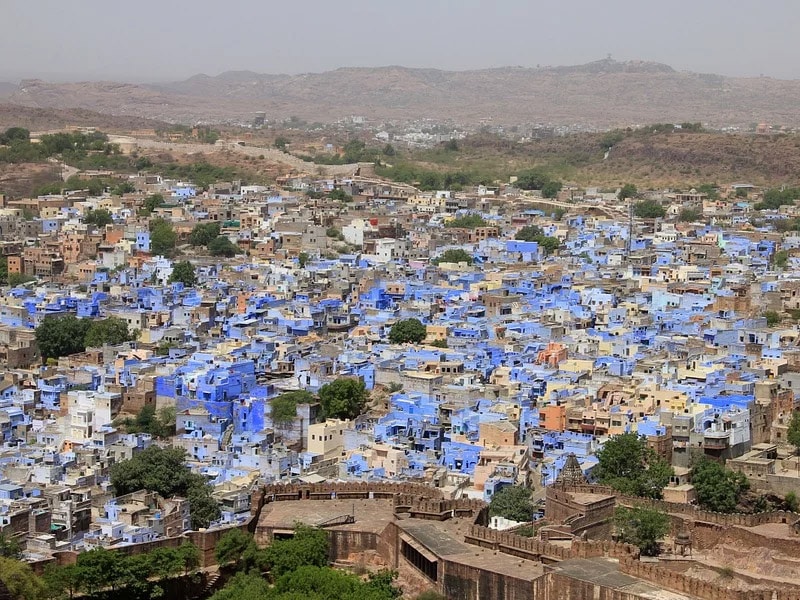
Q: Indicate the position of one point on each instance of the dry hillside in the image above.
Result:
(604, 93)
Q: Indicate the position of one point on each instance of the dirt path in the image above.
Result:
(269, 154)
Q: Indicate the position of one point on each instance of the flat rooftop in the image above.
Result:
(605, 572)
(445, 539)
(589, 498)
(370, 515)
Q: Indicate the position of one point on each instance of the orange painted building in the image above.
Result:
(14, 264)
(552, 355)
(553, 417)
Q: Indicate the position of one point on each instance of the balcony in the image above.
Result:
(716, 440)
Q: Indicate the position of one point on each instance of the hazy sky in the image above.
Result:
(149, 40)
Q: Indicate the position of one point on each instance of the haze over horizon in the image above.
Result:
(153, 41)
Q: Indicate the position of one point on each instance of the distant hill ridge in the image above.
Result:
(602, 93)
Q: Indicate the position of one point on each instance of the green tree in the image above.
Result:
(164, 470)
(160, 425)
(303, 259)
(451, 145)
(642, 527)
(151, 203)
(453, 256)
(513, 502)
(467, 222)
(439, 343)
(222, 246)
(281, 142)
(111, 331)
(15, 279)
(344, 398)
(781, 259)
(9, 547)
(284, 407)
(628, 465)
(773, 318)
(15, 134)
(204, 233)
(62, 581)
(99, 217)
(532, 179)
(354, 151)
(20, 580)
(793, 432)
(123, 188)
(232, 548)
(551, 188)
(189, 555)
(775, 198)
(308, 547)
(689, 215)
(162, 237)
(649, 209)
(61, 336)
(340, 195)
(529, 233)
(717, 488)
(407, 330)
(388, 150)
(99, 568)
(183, 272)
(549, 244)
(3, 270)
(791, 501)
(627, 191)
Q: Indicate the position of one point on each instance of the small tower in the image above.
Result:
(571, 475)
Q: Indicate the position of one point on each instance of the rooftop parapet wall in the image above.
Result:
(534, 549)
(698, 588)
(687, 510)
(345, 490)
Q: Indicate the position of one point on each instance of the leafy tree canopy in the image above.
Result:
(649, 209)
(407, 330)
(793, 433)
(628, 465)
(151, 203)
(284, 407)
(61, 336)
(100, 217)
(532, 233)
(20, 580)
(467, 222)
(159, 424)
(642, 527)
(627, 191)
(717, 488)
(454, 256)
(204, 233)
(222, 246)
(184, 272)
(513, 502)
(164, 470)
(689, 215)
(775, 198)
(111, 331)
(162, 237)
(339, 194)
(344, 398)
